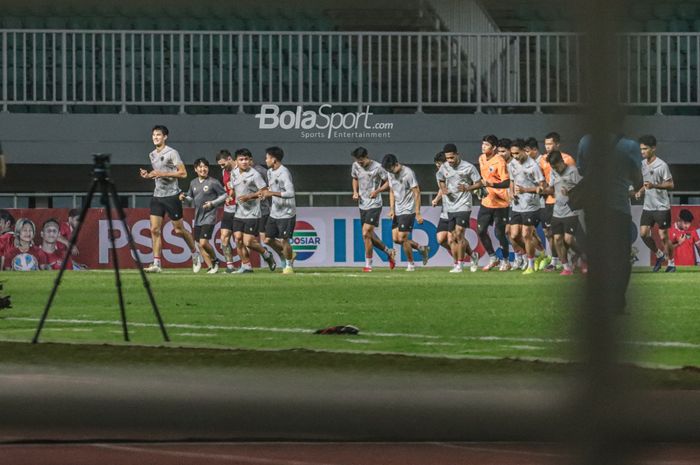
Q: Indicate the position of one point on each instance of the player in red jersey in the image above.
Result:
(227, 164)
(685, 239)
(7, 234)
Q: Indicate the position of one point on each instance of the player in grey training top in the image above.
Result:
(565, 221)
(205, 193)
(527, 182)
(283, 211)
(404, 209)
(457, 180)
(167, 169)
(248, 186)
(369, 180)
(443, 234)
(657, 203)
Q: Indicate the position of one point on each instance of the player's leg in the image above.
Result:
(663, 219)
(180, 231)
(526, 233)
(250, 240)
(156, 229)
(367, 233)
(646, 225)
(499, 226)
(484, 220)
(402, 239)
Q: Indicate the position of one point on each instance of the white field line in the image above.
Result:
(671, 344)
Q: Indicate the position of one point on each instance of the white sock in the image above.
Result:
(493, 258)
(531, 262)
(672, 262)
(156, 261)
(659, 253)
(247, 266)
(555, 261)
(567, 266)
(368, 262)
(518, 256)
(288, 263)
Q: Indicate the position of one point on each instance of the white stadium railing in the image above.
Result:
(111, 71)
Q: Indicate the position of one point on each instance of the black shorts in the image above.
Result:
(459, 219)
(280, 228)
(525, 218)
(170, 205)
(203, 231)
(546, 215)
(371, 216)
(443, 225)
(227, 221)
(568, 225)
(246, 226)
(404, 223)
(262, 224)
(662, 218)
(491, 216)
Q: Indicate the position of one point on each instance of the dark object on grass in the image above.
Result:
(5, 302)
(348, 329)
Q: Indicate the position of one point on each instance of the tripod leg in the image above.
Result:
(73, 241)
(135, 252)
(115, 258)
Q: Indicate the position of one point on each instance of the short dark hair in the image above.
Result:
(532, 143)
(554, 136)
(201, 161)
(275, 152)
(359, 152)
(6, 216)
(243, 153)
(491, 139)
(686, 215)
(450, 148)
(648, 139)
(439, 157)
(223, 153)
(50, 220)
(555, 157)
(161, 128)
(389, 161)
(518, 143)
(73, 212)
(505, 142)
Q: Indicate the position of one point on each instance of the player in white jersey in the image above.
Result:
(457, 180)
(443, 234)
(248, 186)
(657, 203)
(565, 221)
(527, 182)
(404, 209)
(369, 180)
(503, 150)
(167, 169)
(283, 209)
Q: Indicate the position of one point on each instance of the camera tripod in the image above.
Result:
(106, 187)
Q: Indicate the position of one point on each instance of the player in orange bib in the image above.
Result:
(552, 141)
(494, 207)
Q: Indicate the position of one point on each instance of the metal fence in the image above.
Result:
(119, 70)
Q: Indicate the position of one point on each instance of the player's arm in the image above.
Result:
(476, 183)
(221, 193)
(262, 189)
(416, 199)
(392, 204)
(181, 173)
(666, 185)
(383, 188)
(187, 197)
(287, 191)
(437, 199)
(355, 189)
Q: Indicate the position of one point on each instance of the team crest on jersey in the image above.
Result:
(206, 188)
(490, 169)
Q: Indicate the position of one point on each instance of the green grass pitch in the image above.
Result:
(429, 313)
